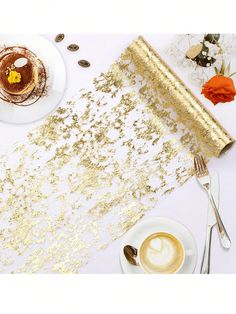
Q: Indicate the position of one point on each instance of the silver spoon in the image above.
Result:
(131, 253)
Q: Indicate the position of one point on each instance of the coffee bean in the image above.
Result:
(73, 47)
(59, 38)
(84, 63)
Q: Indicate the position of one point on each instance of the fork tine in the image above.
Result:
(205, 167)
(203, 163)
(196, 165)
(200, 164)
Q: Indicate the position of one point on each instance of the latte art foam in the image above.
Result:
(161, 253)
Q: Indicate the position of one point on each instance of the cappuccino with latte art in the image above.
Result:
(161, 253)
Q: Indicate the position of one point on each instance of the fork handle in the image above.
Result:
(224, 237)
(205, 266)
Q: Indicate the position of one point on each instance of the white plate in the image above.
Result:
(56, 81)
(147, 226)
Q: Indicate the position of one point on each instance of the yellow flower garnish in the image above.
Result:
(14, 77)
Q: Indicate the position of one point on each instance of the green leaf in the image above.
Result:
(222, 69)
(227, 70)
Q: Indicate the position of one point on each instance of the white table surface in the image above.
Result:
(187, 204)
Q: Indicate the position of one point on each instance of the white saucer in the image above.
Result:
(55, 85)
(147, 226)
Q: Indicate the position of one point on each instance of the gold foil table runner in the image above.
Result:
(175, 94)
(92, 169)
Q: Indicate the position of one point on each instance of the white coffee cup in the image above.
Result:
(161, 253)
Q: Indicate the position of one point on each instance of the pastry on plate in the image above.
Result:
(18, 74)
(22, 76)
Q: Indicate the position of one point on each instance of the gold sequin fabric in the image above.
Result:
(95, 166)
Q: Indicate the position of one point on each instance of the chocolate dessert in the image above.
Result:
(18, 75)
(22, 76)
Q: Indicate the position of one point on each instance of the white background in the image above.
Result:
(106, 294)
(187, 204)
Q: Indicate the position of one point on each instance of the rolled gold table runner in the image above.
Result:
(190, 110)
(95, 166)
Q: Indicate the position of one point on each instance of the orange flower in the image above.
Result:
(219, 89)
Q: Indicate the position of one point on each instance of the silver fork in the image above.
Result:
(205, 181)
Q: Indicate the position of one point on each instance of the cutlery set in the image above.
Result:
(214, 217)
